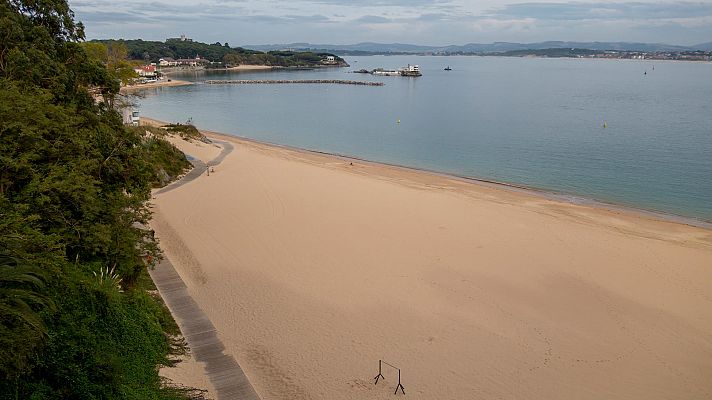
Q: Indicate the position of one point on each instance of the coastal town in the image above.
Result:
(153, 72)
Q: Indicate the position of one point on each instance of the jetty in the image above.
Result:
(287, 81)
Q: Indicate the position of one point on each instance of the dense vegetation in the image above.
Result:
(151, 51)
(186, 131)
(76, 316)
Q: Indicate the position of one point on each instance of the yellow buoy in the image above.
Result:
(605, 125)
(398, 122)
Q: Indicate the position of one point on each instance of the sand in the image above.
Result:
(313, 269)
(249, 68)
(189, 373)
(162, 83)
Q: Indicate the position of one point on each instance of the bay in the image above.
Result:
(630, 132)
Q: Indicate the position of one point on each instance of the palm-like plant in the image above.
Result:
(20, 294)
(109, 277)
(21, 327)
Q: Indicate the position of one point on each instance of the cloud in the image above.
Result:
(372, 19)
(435, 17)
(104, 17)
(307, 18)
(156, 12)
(573, 11)
(382, 3)
(409, 21)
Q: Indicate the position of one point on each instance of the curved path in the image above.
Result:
(223, 371)
(199, 167)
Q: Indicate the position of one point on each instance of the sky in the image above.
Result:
(424, 22)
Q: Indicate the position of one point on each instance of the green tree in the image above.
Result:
(117, 52)
(74, 185)
(232, 60)
(97, 51)
(118, 64)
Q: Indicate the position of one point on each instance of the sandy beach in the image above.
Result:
(249, 68)
(313, 267)
(178, 82)
(163, 83)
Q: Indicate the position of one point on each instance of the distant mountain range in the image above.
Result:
(703, 46)
(496, 47)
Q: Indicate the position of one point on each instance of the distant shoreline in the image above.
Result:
(239, 68)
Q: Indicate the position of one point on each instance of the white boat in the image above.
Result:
(411, 70)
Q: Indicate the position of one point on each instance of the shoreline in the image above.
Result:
(533, 56)
(152, 85)
(520, 188)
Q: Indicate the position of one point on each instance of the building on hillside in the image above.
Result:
(167, 62)
(191, 62)
(146, 71)
(182, 38)
(329, 60)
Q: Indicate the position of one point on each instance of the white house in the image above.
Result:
(129, 116)
(146, 71)
(167, 62)
(328, 60)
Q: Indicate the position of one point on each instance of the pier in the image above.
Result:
(286, 81)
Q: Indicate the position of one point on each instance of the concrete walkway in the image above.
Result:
(223, 371)
(199, 168)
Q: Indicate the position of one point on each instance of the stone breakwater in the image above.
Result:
(280, 81)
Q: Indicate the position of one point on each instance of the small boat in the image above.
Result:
(448, 68)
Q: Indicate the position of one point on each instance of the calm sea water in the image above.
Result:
(526, 121)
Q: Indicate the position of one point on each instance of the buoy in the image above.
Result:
(398, 122)
(605, 125)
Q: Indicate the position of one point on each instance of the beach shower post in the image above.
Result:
(380, 375)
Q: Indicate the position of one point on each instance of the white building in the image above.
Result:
(167, 62)
(328, 60)
(129, 116)
(146, 71)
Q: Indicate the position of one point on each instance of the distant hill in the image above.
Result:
(359, 47)
(703, 46)
(152, 51)
(496, 47)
